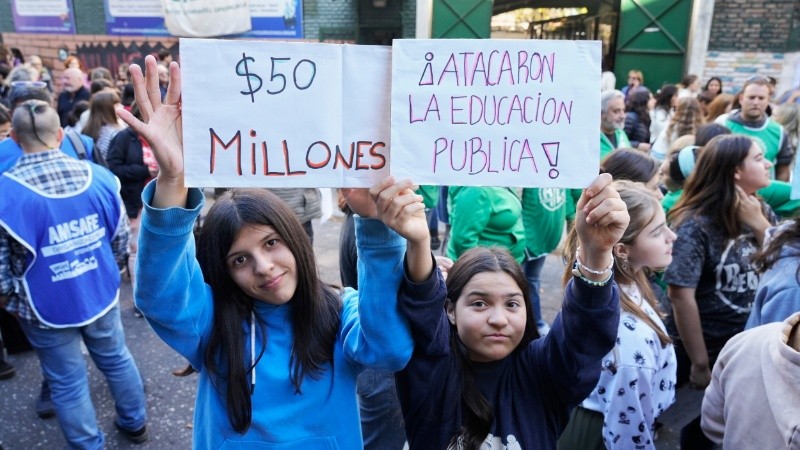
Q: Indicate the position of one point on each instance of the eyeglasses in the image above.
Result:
(28, 83)
(37, 107)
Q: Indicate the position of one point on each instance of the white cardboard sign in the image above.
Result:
(282, 114)
(496, 112)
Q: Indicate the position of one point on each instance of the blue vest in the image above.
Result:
(10, 151)
(71, 276)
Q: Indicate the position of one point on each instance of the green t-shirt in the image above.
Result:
(543, 215)
(485, 216)
(607, 147)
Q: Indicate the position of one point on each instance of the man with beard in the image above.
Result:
(612, 122)
(752, 120)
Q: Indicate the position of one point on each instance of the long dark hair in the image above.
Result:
(629, 164)
(664, 97)
(637, 102)
(477, 412)
(710, 190)
(315, 313)
(101, 112)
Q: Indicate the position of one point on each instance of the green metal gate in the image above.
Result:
(461, 19)
(652, 37)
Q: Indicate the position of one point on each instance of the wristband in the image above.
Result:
(579, 264)
(577, 273)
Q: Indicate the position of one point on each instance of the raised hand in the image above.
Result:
(601, 219)
(162, 127)
(401, 209)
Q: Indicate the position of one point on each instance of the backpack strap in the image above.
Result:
(77, 143)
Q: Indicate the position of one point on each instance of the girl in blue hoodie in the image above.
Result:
(278, 351)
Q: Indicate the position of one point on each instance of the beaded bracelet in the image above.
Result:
(577, 273)
(578, 263)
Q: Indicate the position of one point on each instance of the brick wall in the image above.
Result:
(734, 68)
(328, 15)
(754, 25)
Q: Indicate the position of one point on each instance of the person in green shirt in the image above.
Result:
(485, 216)
(752, 120)
(543, 216)
(612, 122)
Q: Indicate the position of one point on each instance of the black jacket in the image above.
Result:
(126, 162)
(636, 129)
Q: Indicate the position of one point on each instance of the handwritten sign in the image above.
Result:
(282, 114)
(496, 112)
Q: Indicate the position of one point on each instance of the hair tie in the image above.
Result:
(686, 160)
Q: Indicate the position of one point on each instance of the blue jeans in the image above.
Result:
(381, 418)
(533, 272)
(64, 368)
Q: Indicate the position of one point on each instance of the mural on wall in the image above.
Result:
(112, 54)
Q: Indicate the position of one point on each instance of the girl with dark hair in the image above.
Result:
(103, 124)
(637, 118)
(720, 224)
(778, 262)
(666, 100)
(632, 165)
(478, 376)
(713, 87)
(638, 377)
(277, 350)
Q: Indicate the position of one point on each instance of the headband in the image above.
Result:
(686, 160)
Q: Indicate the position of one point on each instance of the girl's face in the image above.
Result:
(653, 245)
(673, 102)
(490, 316)
(5, 128)
(652, 185)
(714, 87)
(262, 265)
(753, 173)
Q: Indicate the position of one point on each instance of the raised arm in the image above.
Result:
(586, 328)
(170, 289)
(378, 335)
(162, 127)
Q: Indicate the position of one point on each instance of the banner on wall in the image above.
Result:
(43, 16)
(206, 18)
(268, 18)
(135, 17)
(276, 18)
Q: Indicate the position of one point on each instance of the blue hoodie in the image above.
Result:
(778, 293)
(178, 304)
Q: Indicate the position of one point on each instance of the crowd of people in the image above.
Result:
(681, 269)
